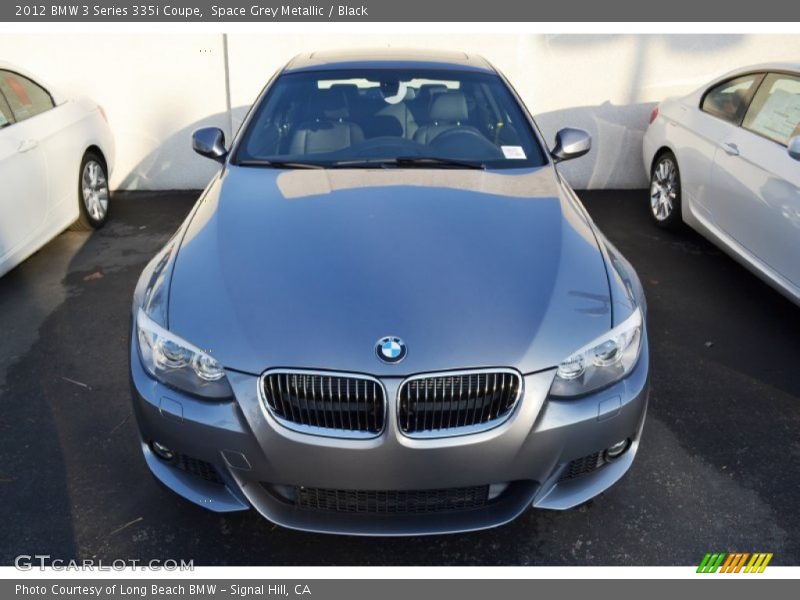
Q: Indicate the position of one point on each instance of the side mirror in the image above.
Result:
(571, 143)
(210, 142)
(793, 148)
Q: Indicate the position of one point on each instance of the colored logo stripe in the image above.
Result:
(711, 563)
(734, 562)
(758, 563)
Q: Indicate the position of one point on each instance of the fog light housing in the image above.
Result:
(161, 451)
(615, 451)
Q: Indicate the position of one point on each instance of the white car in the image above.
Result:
(726, 160)
(56, 155)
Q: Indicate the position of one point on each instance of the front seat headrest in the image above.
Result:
(329, 104)
(450, 107)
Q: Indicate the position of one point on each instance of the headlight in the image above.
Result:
(164, 355)
(178, 363)
(600, 363)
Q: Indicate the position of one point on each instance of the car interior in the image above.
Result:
(729, 104)
(362, 119)
(772, 112)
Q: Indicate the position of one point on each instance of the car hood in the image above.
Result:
(309, 268)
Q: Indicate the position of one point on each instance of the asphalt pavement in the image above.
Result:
(717, 469)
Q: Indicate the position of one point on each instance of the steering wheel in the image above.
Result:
(465, 142)
(392, 145)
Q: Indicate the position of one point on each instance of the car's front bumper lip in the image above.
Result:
(531, 449)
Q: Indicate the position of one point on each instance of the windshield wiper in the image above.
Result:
(409, 161)
(280, 164)
(433, 162)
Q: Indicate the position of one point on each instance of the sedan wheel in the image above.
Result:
(665, 192)
(93, 193)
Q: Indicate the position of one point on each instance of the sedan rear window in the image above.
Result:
(729, 99)
(775, 112)
(25, 97)
(374, 116)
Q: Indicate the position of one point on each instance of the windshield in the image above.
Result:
(383, 117)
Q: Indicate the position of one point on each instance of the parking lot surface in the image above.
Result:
(717, 469)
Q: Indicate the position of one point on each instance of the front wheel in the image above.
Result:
(665, 192)
(93, 193)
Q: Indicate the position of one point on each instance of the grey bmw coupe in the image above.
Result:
(388, 313)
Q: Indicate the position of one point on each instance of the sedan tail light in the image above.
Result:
(654, 114)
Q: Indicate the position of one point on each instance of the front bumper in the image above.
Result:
(251, 453)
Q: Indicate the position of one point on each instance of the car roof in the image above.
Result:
(775, 66)
(792, 67)
(388, 58)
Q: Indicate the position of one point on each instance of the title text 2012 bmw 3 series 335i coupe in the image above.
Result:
(388, 314)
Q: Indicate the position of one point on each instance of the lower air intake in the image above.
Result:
(392, 501)
(582, 466)
(197, 467)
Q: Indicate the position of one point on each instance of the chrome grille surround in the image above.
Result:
(325, 403)
(469, 401)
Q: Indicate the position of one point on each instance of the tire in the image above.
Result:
(93, 193)
(665, 192)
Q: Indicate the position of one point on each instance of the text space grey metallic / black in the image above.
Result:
(388, 313)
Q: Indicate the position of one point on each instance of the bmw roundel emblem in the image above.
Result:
(391, 349)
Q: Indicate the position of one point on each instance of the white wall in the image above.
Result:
(157, 88)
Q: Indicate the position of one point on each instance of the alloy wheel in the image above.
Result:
(94, 186)
(663, 189)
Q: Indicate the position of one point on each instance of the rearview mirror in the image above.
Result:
(571, 143)
(210, 142)
(793, 148)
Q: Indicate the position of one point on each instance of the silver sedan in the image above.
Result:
(725, 160)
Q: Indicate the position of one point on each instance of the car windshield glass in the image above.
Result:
(384, 118)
